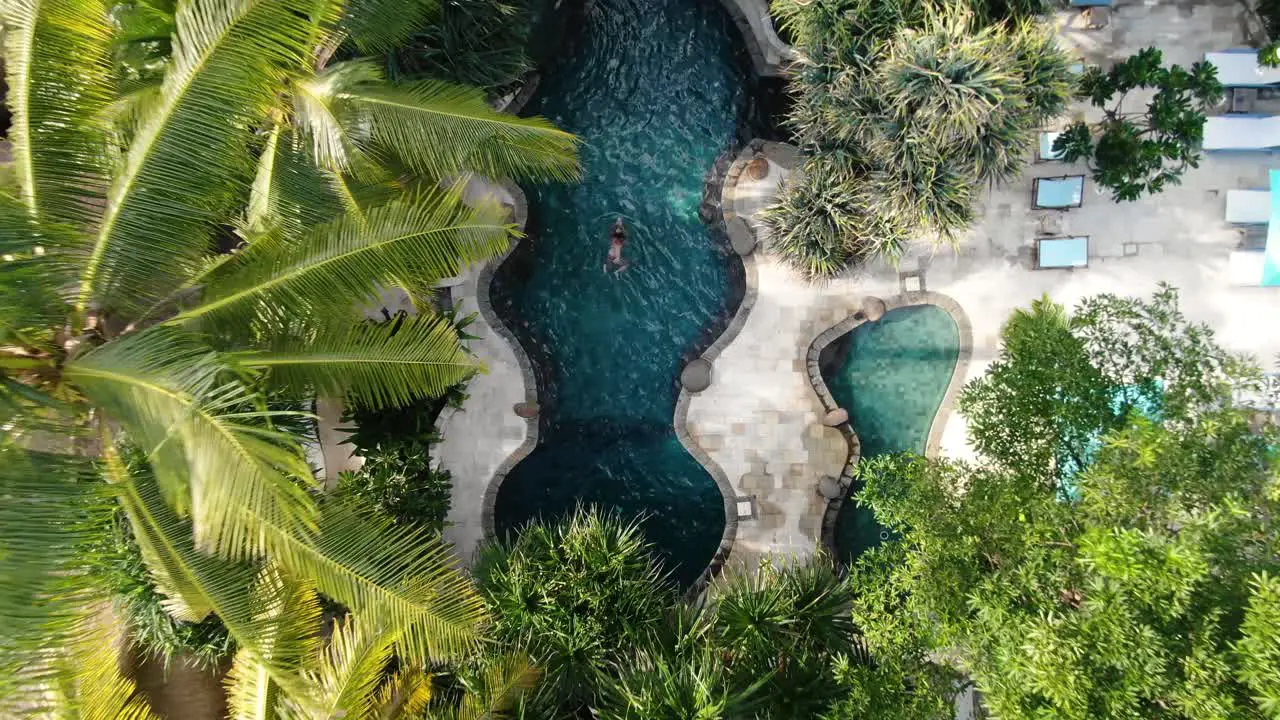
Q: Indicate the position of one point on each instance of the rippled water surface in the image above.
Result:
(654, 88)
(891, 376)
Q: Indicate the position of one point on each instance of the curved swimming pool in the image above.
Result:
(891, 375)
(655, 89)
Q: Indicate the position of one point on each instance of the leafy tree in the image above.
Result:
(482, 43)
(1132, 581)
(1134, 153)
(121, 325)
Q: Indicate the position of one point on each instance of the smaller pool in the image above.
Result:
(891, 375)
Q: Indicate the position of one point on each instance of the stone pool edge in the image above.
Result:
(485, 305)
(936, 427)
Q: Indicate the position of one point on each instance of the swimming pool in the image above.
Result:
(656, 90)
(891, 375)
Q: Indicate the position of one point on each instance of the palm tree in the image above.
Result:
(123, 328)
(341, 137)
(348, 669)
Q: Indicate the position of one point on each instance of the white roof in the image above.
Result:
(1245, 267)
(1248, 207)
(1241, 132)
(1241, 69)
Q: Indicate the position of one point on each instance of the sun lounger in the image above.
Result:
(1058, 193)
(1062, 252)
(1242, 132)
(1045, 151)
(1240, 68)
(1248, 207)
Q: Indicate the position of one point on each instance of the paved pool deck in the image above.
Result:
(760, 421)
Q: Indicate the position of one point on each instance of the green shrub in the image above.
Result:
(398, 476)
(824, 222)
(928, 105)
(580, 597)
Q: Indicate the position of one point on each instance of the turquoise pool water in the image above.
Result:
(891, 376)
(655, 89)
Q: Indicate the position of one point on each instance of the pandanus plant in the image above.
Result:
(127, 330)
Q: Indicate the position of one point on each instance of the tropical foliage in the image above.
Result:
(586, 601)
(123, 325)
(398, 476)
(905, 111)
(1113, 551)
(482, 43)
(1142, 153)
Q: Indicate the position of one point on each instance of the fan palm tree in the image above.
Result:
(122, 326)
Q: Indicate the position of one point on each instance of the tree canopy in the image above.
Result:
(1113, 550)
(1137, 153)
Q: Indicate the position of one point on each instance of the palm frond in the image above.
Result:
(345, 681)
(30, 278)
(344, 262)
(229, 60)
(440, 129)
(402, 575)
(101, 691)
(373, 365)
(197, 583)
(52, 511)
(377, 25)
(252, 693)
(319, 110)
(213, 450)
(407, 692)
(498, 689)
(288, 190)
(57, 58)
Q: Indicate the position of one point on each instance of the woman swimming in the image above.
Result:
(617, 238)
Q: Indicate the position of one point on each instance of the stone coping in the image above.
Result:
(483, 302)
(679, 420)
(934, 442)
(770, 56)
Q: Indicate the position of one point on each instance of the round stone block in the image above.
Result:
(836, 417)
(696, 376)
(829, 487)
(526, 410)
(873, 308)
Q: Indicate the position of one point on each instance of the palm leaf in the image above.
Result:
(440, 129)
(252, 694)
(351, 667)
(407, 693)
(498, 689)
(213, 453)
(102, 692)
(197, 583)
(373, 365)
(319, 108)
(377, 25)
(30, 278)
(52, 511)
(402, 575)
(343, 263)
(288, 190)
(57, 57)
(229, 61)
